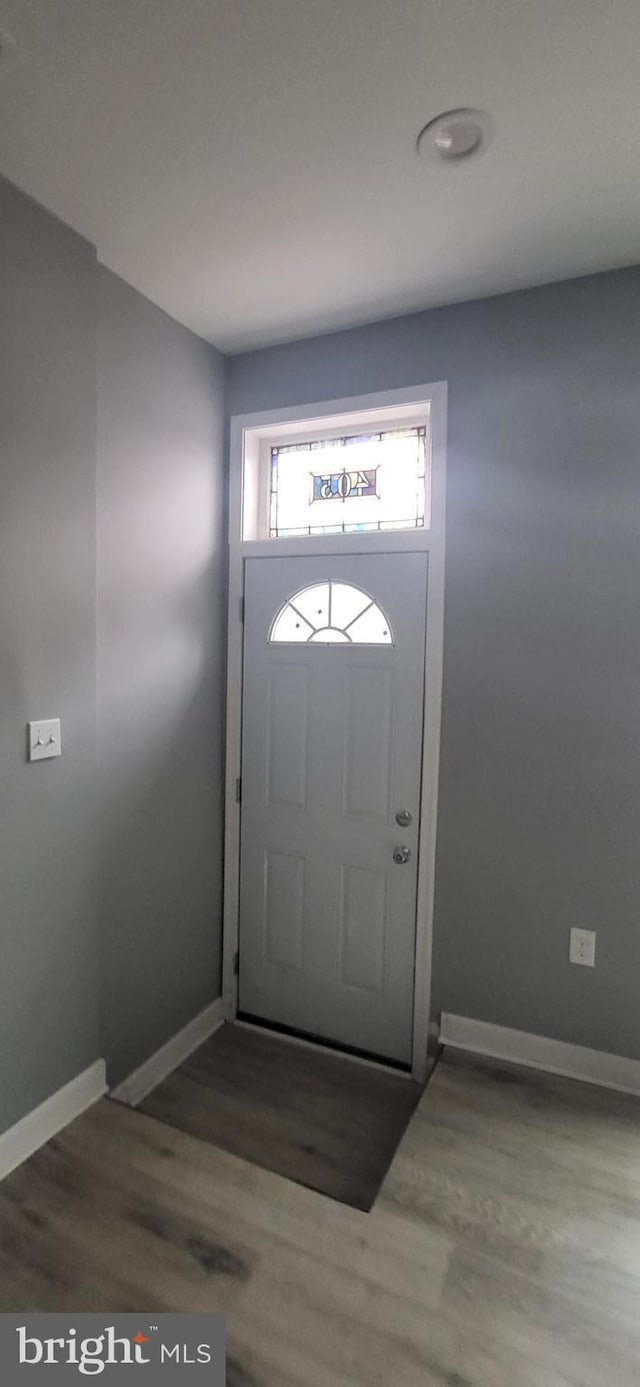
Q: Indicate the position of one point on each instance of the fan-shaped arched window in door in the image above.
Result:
(331, 613)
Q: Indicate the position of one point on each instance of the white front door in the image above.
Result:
(331, 777)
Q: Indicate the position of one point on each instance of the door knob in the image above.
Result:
(404, 817)
(401, 855)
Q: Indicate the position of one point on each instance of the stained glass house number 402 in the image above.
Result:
(363, 482)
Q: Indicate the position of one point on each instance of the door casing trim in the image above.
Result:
(243, 428)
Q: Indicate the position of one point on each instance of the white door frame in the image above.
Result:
(247, 431)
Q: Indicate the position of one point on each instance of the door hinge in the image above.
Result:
(241, 609)
(236, 962)
(238, 790)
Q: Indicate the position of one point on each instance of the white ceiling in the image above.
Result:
(250, 165)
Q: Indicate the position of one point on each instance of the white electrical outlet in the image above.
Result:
(582, 947)
(45, 739)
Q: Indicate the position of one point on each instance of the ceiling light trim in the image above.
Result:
(456, 136)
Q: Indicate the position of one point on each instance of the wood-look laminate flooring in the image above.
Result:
(503, 1250)
(315, 1117)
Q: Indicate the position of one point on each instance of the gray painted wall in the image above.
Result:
(540, 776)
(148, 847)
(161, 613)
(48, 976)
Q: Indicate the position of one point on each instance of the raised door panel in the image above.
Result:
(363, 927)
(367, 744)
(284, 891)
(287, 734)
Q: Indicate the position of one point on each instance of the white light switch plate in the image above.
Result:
(582, 947)
(45, 739)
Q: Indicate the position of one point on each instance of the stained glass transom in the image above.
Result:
(331, 613)
(366, 482)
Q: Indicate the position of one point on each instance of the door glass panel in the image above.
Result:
(347, 603)
(290, 626)
(313, 604)
(331, 614)
(372, 628)
(330, 635)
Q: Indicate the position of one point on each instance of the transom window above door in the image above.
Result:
(331, 613)
(342, 485)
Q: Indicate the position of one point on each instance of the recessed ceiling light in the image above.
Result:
(455, 135)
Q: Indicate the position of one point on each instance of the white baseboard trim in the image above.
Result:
(138, 1084)
(539, 1052)
(45, 1121)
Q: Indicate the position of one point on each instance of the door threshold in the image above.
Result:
(312, 1042)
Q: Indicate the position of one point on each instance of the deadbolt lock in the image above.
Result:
(404, 817)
